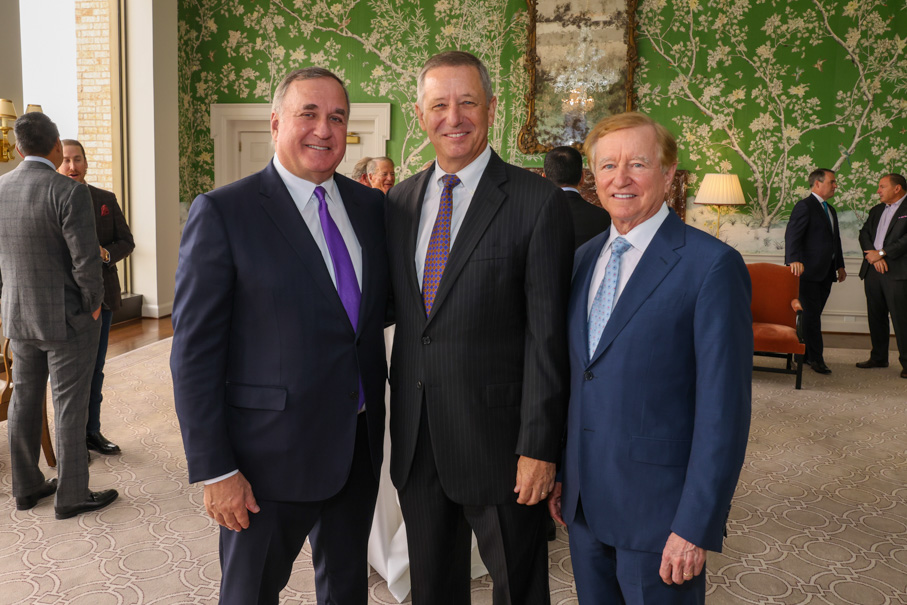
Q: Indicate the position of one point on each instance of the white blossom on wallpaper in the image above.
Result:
(255, 43)
(743, 94)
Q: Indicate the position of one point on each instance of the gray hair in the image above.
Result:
(306, 73)
(818, 175)
(36, 134)
(454, 58)
(360, 168)
(372, 165)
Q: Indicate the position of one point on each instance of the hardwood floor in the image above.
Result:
(137, 333)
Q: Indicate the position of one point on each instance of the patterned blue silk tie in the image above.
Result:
(604, 297)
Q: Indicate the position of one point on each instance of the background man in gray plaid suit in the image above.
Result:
(51, 290)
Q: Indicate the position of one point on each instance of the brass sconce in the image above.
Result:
(7, 116)
(352, 138)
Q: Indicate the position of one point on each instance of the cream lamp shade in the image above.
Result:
(720, 190)
(7, 110)
(32, 108)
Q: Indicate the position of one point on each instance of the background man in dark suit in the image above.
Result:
(564, 168)
(480, 254)
(883, 239)
(116, 243)
(661, 346)
(278, 354)
(51, 299)
(812, 248)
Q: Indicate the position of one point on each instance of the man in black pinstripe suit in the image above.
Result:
(479, 366)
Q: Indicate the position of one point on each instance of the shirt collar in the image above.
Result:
(894, 207)
(641, 235)
(573, 189)
(302, 189)
(818, 197)
(470, 175)
(37, 158)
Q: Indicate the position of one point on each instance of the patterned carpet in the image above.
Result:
(820, 515)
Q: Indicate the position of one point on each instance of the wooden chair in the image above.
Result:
(776, 317)
(6, 392)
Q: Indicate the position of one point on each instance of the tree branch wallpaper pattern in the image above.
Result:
(766, 89)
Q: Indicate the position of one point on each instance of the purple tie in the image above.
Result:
(438, 244)
(344, 274)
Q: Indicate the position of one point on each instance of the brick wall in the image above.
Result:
(94, 90)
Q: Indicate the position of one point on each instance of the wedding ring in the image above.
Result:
(687, 575)
(544, 494)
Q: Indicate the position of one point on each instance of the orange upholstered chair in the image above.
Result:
(776, 317)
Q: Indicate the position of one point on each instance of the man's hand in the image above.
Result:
(96, 314)
(681, 560)
(554, 503)
(796, 268)
(872, 256)
(881, 265)
(842, 274)
(534, 480)
(229, 502)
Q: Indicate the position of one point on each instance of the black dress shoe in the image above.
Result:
(95, 501)
(47, 488)
(99, 443)
(872, 363)
(820, 367)
(903, 373)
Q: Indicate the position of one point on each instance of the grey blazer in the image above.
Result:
(50, 266)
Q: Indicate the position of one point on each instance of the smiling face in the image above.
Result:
(888, 192)
(629, 179)
(455, 114)
(383, 178)
(310, 131)
(74, 163)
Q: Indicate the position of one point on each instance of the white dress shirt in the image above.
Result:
(37, 158)
(639, 237)
(462, 197)
(303, 194)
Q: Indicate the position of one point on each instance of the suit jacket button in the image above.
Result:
(588, 375)
(419, 385)
(426, 340)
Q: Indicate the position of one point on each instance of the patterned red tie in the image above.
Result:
(439, 244)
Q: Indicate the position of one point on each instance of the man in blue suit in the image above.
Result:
(661, 347)
(278, 354)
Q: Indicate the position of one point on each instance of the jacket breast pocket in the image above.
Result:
(256, 397)
(663, 452)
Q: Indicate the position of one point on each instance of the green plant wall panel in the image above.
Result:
(765, 89)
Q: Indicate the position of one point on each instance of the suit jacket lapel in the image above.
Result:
(484, 205)
(413, 209)
(276, 201)
(657, 261)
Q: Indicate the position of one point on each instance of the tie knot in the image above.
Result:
(450, 181)
(319, 193)
(620, 246)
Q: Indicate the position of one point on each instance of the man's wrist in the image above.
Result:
(882, 253)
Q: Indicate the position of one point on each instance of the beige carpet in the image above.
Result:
(820, 515)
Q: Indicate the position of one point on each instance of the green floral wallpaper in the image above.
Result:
(766, 89)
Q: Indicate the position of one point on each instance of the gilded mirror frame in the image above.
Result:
(529, 140)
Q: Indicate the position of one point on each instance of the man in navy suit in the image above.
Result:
(278, 354)
(812, 248)
(661, 346)
(564, 168)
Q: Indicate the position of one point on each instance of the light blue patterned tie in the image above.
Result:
(604, 298)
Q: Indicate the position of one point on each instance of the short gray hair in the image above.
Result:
(306, 73)
(454, 58)
(373, 164)
(360, 168)
(818, 175)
